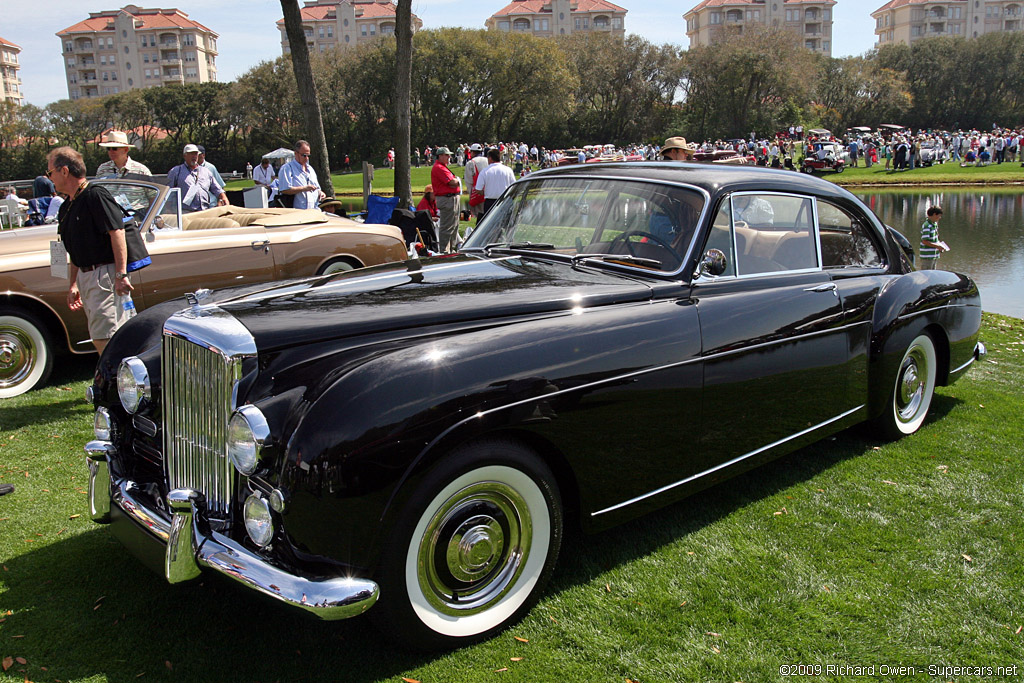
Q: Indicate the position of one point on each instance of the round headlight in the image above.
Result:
(247, 432)
(101, 424)
(132, 383)
(258, 522)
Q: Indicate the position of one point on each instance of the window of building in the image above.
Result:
(149, 73)
(190, 56)
(826, 45)
(145, 57)
(616, 22)
(544, 25)
(126, 49)
(322, 32)
(68, 47)
(578, 23)
(362, 30)
(826, 14)
(113, 75)
(387, 29)
(716, 17)
(144, 41)
(71, 62)
(106, 76)
(330, 31)
(103, 60)
(189, 39)
(346, 38)
(308, 32)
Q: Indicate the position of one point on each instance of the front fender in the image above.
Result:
(947, 305)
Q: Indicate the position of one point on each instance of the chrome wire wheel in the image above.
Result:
(478, 551)
(25, 357)
(915, 385)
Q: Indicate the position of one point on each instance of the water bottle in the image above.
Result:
(125, 306)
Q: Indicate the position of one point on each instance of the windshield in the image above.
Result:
(137, 199)
(649, 224)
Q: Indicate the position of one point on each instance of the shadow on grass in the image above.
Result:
(83, 607)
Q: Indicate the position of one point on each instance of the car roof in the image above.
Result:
(715, 179)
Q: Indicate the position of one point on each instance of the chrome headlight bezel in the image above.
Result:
(133, 386)
(248, 432)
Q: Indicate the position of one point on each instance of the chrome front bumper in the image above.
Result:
(192, 545)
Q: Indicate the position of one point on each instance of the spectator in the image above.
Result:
(248, 171)
(209, 167)
(447, 190)
(931, 245)
(264, 175)
(677, 149)
(120, 164)
(493, 180)
(91, 229)
(298, 180)
(428, 203)
(197, 184)
(42, 187)
(474, 167)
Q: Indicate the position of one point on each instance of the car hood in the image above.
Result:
(419, 294)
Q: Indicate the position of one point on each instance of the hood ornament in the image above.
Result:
(193, 298)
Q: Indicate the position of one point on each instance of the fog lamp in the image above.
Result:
(132, 383)
(101, 424)
(247, 432)
(258, 522)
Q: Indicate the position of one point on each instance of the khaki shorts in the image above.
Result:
(97, 291)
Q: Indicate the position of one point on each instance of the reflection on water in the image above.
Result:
(983, 227)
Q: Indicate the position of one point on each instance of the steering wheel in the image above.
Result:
(624, 237)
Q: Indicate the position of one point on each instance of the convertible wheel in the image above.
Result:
(338, 266)
(474, 548)
(913, 390)
(26, 356)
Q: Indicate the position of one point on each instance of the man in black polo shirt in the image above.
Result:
(91, 228)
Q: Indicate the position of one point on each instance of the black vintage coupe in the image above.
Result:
(413, 437)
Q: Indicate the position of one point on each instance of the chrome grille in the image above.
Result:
(198, 398)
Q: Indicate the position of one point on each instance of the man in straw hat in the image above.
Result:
(677, 149)
(120, 164)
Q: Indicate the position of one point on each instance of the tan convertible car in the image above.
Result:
(216, 248)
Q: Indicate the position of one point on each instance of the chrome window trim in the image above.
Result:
(720, 466)
(775, 193)
(686, 257)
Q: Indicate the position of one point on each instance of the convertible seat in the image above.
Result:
(233, 217)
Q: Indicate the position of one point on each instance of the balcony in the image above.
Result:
(173, 77)
(172, 43)
(171, 61)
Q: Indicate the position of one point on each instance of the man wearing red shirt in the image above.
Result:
(447, 192)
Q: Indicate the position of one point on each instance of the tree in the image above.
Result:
(403, 104)
(307, 92)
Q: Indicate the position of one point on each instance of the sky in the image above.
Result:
(248, 32)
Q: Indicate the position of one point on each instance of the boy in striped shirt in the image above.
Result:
(931, 247)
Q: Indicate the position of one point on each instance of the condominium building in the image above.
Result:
(559, 17)
(810, 20)
(133, 47)
(10, 82)
(343, 23)
(904, 21)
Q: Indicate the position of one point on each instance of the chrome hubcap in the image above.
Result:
(474, 549)
(17, 356)
(911, 388)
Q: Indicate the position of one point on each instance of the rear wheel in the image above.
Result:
(912, 392)
(336, 266)
(26, 352)
(474, 547)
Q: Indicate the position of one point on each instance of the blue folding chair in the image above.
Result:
(379, 209)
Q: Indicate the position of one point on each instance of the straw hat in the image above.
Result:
(678, 143)
(115, 138)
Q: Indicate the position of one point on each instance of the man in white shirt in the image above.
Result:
(493, 181)
(264, 175)
(298, 179)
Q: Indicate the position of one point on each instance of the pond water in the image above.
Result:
(983, 227)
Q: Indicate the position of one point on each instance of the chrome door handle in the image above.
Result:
(830, 287)
(260, 243)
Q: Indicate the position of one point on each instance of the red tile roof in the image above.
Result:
(9, 43)
(371, 9)
(896, 4)
(151, 19)
(723, 3)
(538, 7)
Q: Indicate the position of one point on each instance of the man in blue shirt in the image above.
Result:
(210, 167)
(197, 184)
(298, 179)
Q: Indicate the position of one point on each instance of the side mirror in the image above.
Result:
(713, 263)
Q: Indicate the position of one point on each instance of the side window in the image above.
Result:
(845, 241)
(774, 233)
(721, 238)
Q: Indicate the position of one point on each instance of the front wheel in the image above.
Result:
(476, 544)
(911, 395)
(26, 354)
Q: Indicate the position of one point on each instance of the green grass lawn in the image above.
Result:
(852, 552)
(938, 174)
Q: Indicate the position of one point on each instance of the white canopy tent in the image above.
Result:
(280, 153)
